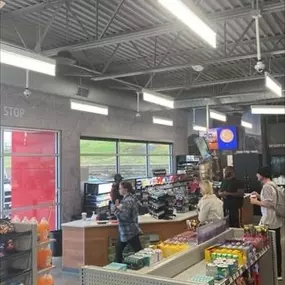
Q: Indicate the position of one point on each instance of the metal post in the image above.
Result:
(207, 116)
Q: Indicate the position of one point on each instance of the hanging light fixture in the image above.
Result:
(88, 107)
(246, 124)
(162, 121)
(27, 60)
(273, 84)
(199, 128)
(218, 116)
(268, 110)
(191, 20)
(158, 99)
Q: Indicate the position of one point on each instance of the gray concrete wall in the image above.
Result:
(45, 111)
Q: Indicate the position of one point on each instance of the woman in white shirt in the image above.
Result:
(210, 207)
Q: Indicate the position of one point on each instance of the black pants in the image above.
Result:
(234, 213)
(278, 251)
(135, 243)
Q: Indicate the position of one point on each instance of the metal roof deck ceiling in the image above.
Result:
(139, 42)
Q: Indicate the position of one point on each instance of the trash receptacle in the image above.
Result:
(56, 246)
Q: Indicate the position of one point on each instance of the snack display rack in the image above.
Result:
(178, 269)
(18, 265)
(22, 262)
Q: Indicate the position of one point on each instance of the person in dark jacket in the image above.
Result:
(232, 192)
(116, 198)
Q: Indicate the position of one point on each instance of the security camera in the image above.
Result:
(27, 92)
(260, 67)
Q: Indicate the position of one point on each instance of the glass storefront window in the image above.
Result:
(29, 168)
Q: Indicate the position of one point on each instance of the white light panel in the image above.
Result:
(162, 121)
(27, 60)
(158, 99)
(190, 19)
(89, 108)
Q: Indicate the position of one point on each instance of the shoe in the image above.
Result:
(279, 278)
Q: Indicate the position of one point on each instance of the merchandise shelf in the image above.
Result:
(17, 266)
(15, 254)
(15, 235)
(46, 242)
(200, 269)
(45, 270)
(177, 270)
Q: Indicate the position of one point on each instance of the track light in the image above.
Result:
(218, 116)
(88, 107)
(162, 121)
(268, 110)
(27, 60)
(190, 19)
(158, 99)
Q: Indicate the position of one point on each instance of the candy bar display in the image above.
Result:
(161, 195)
(232, 257)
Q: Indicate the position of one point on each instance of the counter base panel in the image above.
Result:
(89, 246)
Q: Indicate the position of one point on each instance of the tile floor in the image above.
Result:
(73, 279)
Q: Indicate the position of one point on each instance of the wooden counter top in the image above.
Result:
(145, 219)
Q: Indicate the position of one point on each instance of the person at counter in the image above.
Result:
(116, 198)
(267, 201)
(232, 193)
(210, 207)
(127, 216)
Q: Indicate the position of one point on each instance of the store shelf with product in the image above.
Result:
(17, 252)
(222, 260)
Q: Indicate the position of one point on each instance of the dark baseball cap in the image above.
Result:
(118, 177)
(265, 171)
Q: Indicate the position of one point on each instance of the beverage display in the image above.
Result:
(43, 229)
(46, 279)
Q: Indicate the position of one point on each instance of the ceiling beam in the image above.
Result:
(163, 29)
(212, 83)
(189, 52)
(228, 99)
(184, 66)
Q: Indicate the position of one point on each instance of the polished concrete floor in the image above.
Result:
(73, 279)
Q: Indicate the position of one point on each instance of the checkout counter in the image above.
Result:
(87, 242)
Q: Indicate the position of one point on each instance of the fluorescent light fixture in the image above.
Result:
(88, 107)
(162, 121)
(218, 116)
(246, 124)
(190, 19)
(268, 110)
(273, 85)
(199, 128)
(26, 60)
(158, 99)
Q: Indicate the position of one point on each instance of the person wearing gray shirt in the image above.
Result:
(267, 201)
